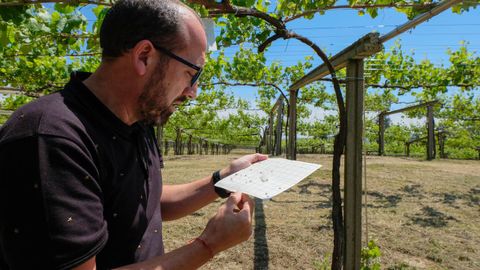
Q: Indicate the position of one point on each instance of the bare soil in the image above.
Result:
(422, 214)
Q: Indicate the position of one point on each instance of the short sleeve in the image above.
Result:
(53, 217)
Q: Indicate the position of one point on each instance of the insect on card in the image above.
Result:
(268, 178)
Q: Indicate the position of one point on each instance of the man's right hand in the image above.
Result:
(231, 225)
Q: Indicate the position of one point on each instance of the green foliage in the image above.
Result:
(39, 47)
(324, 264)
(14, 102)
(370, 258)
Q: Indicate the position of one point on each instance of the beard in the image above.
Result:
(153, 100)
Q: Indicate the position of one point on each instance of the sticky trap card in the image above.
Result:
(268, 178)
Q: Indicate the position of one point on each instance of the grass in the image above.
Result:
(423, 215)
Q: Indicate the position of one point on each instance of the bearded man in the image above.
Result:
(81, 184)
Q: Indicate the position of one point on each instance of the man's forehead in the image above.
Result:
(195, 31)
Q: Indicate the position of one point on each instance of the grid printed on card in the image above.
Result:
(268, 178)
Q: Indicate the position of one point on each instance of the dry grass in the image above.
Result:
(423, 215)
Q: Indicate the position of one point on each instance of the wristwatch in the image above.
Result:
(223, 193)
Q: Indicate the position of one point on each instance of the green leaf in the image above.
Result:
(3, 35)
(55, 17)
(65, 8)
(261, 6)
(44, 15)
(97, 10)
(249, 3)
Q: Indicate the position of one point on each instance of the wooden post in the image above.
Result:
(270, 143)
(407, 145)
(278, 128)
(182, 148)
(441, 144)
(430, 125)
(286, 131)
(353, 164)
(381, 134)
(178, 141)
(166, 147)
(292, 134)
(267, 138)
(189, 145)
(160, 138)
(431, 134)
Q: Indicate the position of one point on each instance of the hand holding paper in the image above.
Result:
(268, 178)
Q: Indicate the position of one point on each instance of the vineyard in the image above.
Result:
(340, 108)
(417, 223)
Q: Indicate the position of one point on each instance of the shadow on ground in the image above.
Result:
(260, 243)
(430, 217)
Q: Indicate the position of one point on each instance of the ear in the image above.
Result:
(142, 55)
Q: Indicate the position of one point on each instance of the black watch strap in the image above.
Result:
(223, 193)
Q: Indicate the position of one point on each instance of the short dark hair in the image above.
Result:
(130, 21)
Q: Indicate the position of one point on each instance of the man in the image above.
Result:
(80, 179)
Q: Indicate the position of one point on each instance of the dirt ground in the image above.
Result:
(422, 214)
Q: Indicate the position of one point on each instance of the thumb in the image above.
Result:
(233, 201)
(247, 211)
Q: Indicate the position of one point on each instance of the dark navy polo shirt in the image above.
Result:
(77, 182)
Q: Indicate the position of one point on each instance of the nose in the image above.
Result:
(191, 91)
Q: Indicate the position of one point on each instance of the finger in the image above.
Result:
(251, 203)
(246, 198)
(258, 157)
(247, 203)
(233, 201)
(247, 210)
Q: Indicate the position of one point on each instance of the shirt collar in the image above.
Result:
(97, 109)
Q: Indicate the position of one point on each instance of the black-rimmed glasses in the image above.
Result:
(183, 61)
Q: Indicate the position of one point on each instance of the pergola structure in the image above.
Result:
(430, 127)
(353, 59)
(271, 138)
(441, 142)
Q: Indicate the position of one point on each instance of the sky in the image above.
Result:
(337, 29)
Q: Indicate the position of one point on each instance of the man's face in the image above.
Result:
(168, 87)
(171, 82)
(155, 107)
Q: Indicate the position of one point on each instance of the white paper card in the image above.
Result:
(209, 25)
(268, 178)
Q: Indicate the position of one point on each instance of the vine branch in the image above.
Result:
(248, 84)
(225, 7)
(406, 87)
(391, 5)
(69, 2)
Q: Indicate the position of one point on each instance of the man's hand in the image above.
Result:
(241, 163)
(231, 225)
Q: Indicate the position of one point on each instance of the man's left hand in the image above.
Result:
(241, 163)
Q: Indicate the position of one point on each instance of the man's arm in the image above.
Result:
(180, 200)
(230, 226)
(190, 256)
